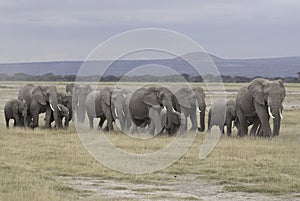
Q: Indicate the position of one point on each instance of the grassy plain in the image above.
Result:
(31, 160)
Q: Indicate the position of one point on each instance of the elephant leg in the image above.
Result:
(91, 122)
(7, 122)
(151, 128)
(221, 127)
(66, 125)
(254, 128)
(243, 124)
(108, 116)
(35, 120)
(264, 119)
(229, 126)
(101, 122)
(27, 119)
(154, 115)
(133, 128)
(259, 131)
(15, 123)
(17, 120)
(48, 119)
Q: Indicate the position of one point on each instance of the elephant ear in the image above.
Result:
(231, 108)
(21, 106)
(282, 85)
(150, 98)
(39, 96)
(183, 99)
(106, 97)
(256, 90)
(88, 89)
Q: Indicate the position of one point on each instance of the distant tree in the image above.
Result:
(298, 75)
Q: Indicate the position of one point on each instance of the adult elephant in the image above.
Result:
(44, 99)
(192, 100)
(146, 104)
(222, 114)
(98, 105)
(120, 108)
(25, 95)
(15, 109)
(78, 97)
(261, 98)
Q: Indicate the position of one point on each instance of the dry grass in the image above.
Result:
(30, 160)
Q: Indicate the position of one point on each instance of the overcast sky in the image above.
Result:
(38, 30)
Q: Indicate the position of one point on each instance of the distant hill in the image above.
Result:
(266, 67)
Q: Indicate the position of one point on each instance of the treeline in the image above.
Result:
(50, 77)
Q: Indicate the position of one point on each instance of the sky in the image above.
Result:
(59, 30)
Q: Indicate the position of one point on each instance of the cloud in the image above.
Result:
(233, 25)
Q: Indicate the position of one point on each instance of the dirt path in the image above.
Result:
(185, 187)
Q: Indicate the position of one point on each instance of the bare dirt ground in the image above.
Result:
(184, 187)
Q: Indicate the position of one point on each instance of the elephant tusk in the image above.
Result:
(116, 113)
(164, 108)
(77, 104)
(198, 110)
(270, 113)
(58, 108)
(175, 112)
(281, 117)
(52, 107)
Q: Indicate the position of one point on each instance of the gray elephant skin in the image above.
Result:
(146, 104)
(263, 99)
(63, 114)
(66, 100)
(120, 107)
(70, 88)
(40, 99)
(221, 114)
(15, 109)
(192, 100)
(98, 105)
(79, 96)
(25, 94)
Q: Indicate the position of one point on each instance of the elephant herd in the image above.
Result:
(151, 108)
(254, 105)
(33, 100)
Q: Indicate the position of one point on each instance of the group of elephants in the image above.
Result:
(254, 105)
(154, 108)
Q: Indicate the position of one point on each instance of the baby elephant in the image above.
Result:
(14, 109)
(63, 113)
(222, 114)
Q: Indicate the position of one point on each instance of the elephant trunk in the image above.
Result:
(81, 109)
(121, 117)
(202, 107)
(55, 110)
(25, 116)
(276, 112)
